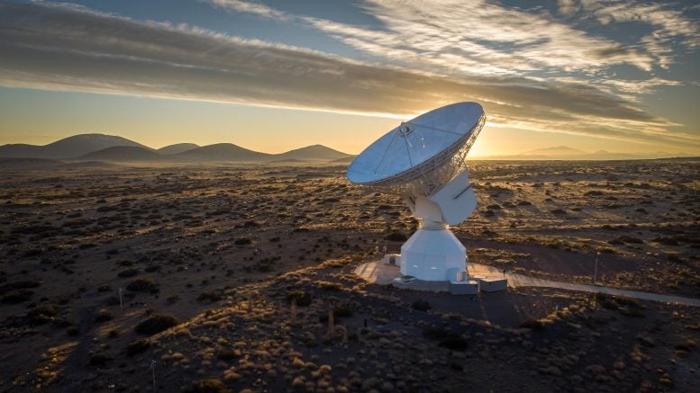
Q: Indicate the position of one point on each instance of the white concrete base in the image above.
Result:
(420, 285)
(384, 273)
(492, 284)
(433, 255)
(470, 287)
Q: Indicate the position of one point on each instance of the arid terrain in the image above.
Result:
(117, 278)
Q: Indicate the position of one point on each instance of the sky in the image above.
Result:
(620, 76)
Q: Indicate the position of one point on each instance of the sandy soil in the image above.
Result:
(220, 254)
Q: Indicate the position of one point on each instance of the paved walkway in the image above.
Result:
(383, 274)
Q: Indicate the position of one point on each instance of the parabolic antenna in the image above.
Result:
(424, 159)
(434, 140)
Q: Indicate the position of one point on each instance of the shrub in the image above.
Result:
(143, 285)
(99, 359)
(329, 286)
(454, 343)
(211, 296)
(128, 273)
(228, 355)
(103, 316)
(421, 305)
(42, 314)
(396, 237)
(208, 385)
(156, 324)
(302, 298)
(534, 324)
(445, 338)
(137, 346)
(16, 297)
(26, 284)
(343, 310)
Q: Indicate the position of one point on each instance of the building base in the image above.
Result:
(387, 272)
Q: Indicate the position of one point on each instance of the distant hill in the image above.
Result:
(23, 164)
(123, 153)
(221, 152)
(312, 153)
(28, 163)
(344, 160)
(555, 151)
(20, 150)
(71, 147)
(568, 153)
(177, 148)
(100, 147)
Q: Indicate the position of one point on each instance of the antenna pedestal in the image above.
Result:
(434, 255)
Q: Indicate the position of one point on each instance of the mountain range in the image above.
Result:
(569, 153)
(110, 148)
(100, 147)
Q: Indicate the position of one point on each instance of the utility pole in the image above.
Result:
(153, 372)
(595, 269)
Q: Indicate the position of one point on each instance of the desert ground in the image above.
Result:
(218, 278)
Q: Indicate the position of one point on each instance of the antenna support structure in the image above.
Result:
(424, 161)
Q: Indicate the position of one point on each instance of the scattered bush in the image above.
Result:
(455, 343)
(25, 284)
(103, 316)
(211, 296)
(344, 310)
(156, 324)
(138, 346)
(42, 314)
(128, 273)
(143, 285)
(329, 286)
(421, 305)
(534, 324)
(228, 355)
(99, 359)
(208, 385)
(302, 298)
(446, 338)
(17, 297)
(396, 237)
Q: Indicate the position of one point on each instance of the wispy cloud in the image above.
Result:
(669, 27)
(475, 37)
(63, 47)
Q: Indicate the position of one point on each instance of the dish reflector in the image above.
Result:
(419, 146)
(424, 159)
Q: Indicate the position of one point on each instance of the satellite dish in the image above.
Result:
(424, 160)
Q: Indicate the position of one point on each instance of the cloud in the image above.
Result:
(468, 37)
(64, 47)
(567, 7)
(669, 26)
